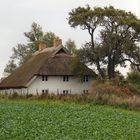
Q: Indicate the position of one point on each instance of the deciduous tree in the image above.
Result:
(114, 37)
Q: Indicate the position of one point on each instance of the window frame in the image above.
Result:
(65, 92)
(45, 91)
(85, 91)
(85, 78)
(44, 78)
(65, 78)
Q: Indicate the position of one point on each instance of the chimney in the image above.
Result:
(42, 46)
(57, 42)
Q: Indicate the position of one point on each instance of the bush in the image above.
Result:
(111, 93)
(134, 77)
(133, 80)
(110, 87)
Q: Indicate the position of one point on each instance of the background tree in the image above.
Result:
(70, 46)
(49, 38)
(35, 34)
(117, 41)
(22, 52)
(10, 67)
(134, 68)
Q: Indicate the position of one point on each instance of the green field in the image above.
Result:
(50, 120)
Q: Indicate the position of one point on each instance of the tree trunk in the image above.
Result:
(97, 61)
(111, 68)
(99, 69)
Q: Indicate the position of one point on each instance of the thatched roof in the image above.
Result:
(50, 61)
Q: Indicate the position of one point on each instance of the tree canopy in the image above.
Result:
(114, 37)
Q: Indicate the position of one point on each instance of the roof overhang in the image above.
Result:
(18, 87)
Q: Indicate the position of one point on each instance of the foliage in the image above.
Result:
(134, 77)
(77, 68)
(118, 93)
(70, 46)
(36, 33)
(11, 66)
(117, 41)
(111, 87)
(48, 38)
(22, 52)
(30, 120)
(135, 68)
(135, 88)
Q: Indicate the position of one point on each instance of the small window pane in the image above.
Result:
(85, 91)
(65, 92)
(85, 78)
(65, 78)
(44, 78)
(43, 91)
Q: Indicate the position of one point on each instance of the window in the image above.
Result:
(85, 91)
(65, 78)
(45, 91)
(65, 91)
(44, 78)
(85, 78)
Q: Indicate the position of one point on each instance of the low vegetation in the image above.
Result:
(119, 93)
(133, 79)
(32, 120)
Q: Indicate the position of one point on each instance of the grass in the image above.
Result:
(54, 120)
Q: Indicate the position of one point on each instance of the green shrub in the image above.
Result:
(134, 77)
(133, 80)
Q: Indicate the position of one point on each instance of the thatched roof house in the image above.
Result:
(52, 64)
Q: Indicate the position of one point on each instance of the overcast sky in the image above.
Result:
(16, 17)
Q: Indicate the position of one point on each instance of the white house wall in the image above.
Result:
(56, 85)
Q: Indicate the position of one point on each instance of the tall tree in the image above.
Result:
(117, 41)
(35, 34)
